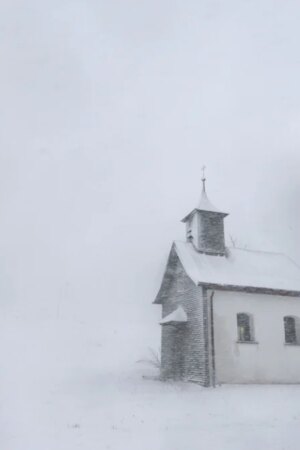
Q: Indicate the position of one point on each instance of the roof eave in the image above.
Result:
(173, 323)
(250, 289)
(185, 219)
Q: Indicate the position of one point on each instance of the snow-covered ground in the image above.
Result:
(68, 385)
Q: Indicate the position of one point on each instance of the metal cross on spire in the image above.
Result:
(203, 177)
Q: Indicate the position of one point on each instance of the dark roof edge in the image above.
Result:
(157, 301)
(250, 289)
(203, 210)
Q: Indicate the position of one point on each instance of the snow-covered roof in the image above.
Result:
(240, 268)
(204, 205)
(177, 316)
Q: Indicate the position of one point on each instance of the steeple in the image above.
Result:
(205, 225)
(203, 178)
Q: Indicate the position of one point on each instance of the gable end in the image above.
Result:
(170, 276)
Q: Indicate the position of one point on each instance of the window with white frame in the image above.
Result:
(245, 327)
(291, 330)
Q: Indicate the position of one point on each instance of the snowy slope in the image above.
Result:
(65, 386)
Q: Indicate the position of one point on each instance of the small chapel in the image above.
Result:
(229, 315)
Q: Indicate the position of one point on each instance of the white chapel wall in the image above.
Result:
(269, 360)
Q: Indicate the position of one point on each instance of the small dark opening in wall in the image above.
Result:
(244, 327)
(290, 330)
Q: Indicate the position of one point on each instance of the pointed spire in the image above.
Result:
(205, 204)
(203, 178)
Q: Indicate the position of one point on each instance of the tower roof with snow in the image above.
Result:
(204, 204)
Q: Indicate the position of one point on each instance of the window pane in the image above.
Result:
(290, 330)
(244, 331)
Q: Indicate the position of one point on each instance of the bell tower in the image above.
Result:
(205, 225)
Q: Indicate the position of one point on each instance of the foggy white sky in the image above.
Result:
(108, 111)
